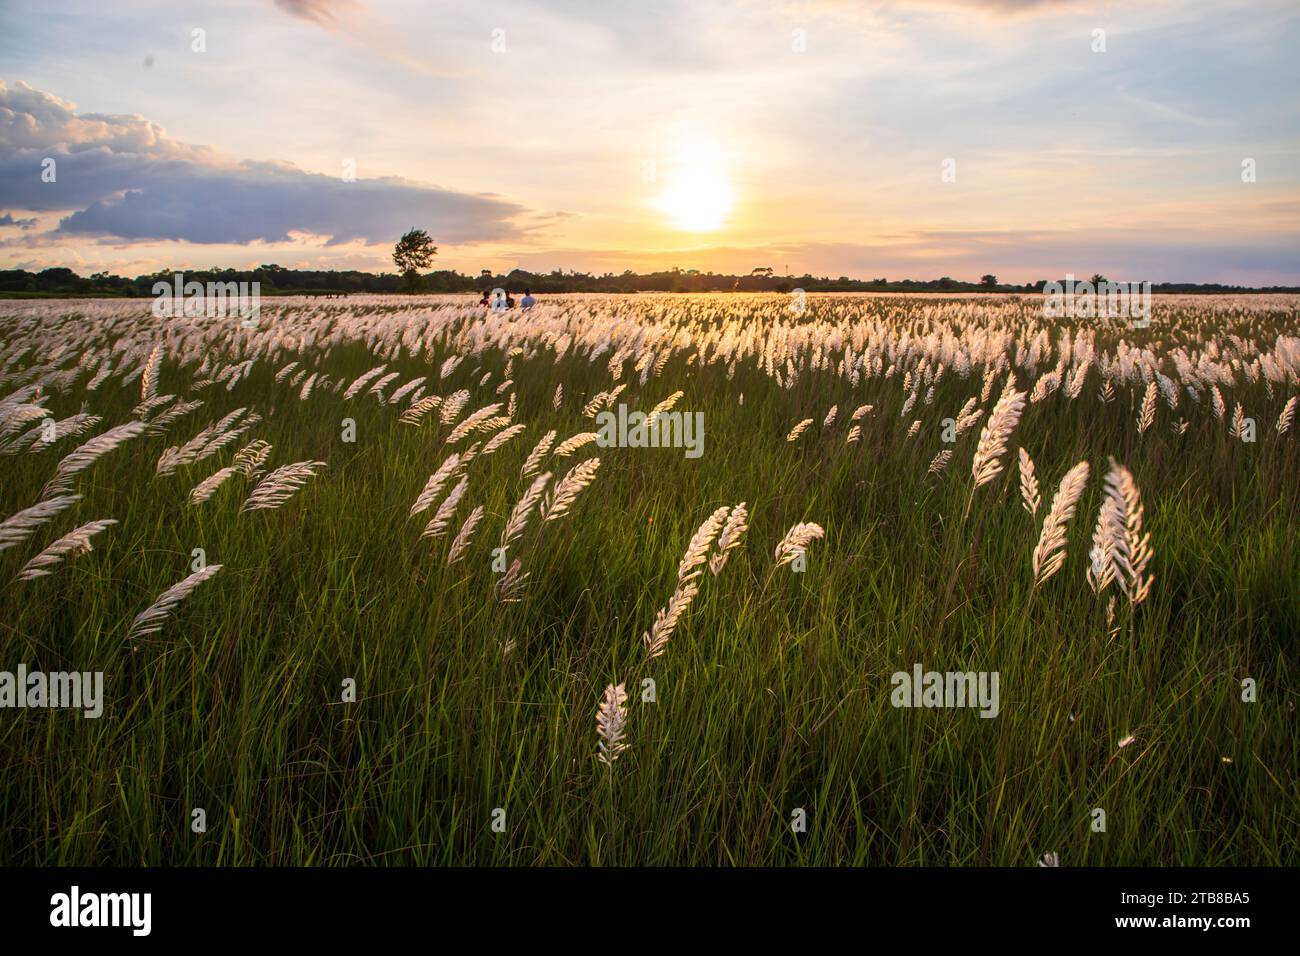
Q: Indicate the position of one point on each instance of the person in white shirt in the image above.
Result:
(527, 302)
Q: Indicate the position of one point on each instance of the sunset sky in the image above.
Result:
(604, 136)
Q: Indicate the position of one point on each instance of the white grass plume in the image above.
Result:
(500, 438)
(206, 488)
(362, 380)
(450, 365)
(159, 424)
(656, 639)
(987, 463)
(1028, 484)
(437, 526)
(19, 527)
(796, 541)
(567, 489)
(572, 444)
(697, 552)
(534, 459)
(280, 485)
(453, 405)
(1049, 553)
(1287, 417)
(248, 461)
(41, 437)
(665, 406)
(152, 618)
(1132, 551)
(611, 724)
(87, 454)
(149, 377)
(518, 519)
(1238, 427)
(76, 541)
(472, 422)
(1146, 418)
(1108, 541)
(433, 487)
(733, 532)
(460, 544)
(404, 390)
(419, 409)
(510, 587)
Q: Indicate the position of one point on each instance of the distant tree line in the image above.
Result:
(277, 280)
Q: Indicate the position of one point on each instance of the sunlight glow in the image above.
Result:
(698, 194)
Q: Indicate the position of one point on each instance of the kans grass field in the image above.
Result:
(349, 673)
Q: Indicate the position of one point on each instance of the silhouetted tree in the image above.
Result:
(413, 252)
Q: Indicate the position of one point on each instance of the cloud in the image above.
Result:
(330, 14)
(348, 19)
(8, 220)
(122, 176)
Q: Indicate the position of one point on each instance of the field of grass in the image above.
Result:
(773, 693)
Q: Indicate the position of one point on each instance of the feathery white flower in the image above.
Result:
(280, 485)
(697, 552)
(518, 519)
(534, 459)
(1288, 415)
(362, 380)
(1028, 483)
(206, 488)
(87, 454)
(152, 618)
(940, 462)
(19, 527)
(434, 485)
(1049, 553)
(732, 534)
(611, 724)
(76, 541)
(437, 526)
(987, 463)
(798, 429)
(460, 544)
(796, 541)
(568, 488)
(570, 445)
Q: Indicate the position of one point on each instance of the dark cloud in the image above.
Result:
(121, 176)
(8, 220)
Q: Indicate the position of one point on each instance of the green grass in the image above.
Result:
(774, 693)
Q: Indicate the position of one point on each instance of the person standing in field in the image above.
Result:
(527, 302)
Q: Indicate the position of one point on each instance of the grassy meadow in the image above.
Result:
(339, 693)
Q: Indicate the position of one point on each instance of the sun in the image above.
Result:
(697, 195)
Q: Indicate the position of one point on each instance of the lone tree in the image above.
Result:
(989, 281)
(413, 252)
